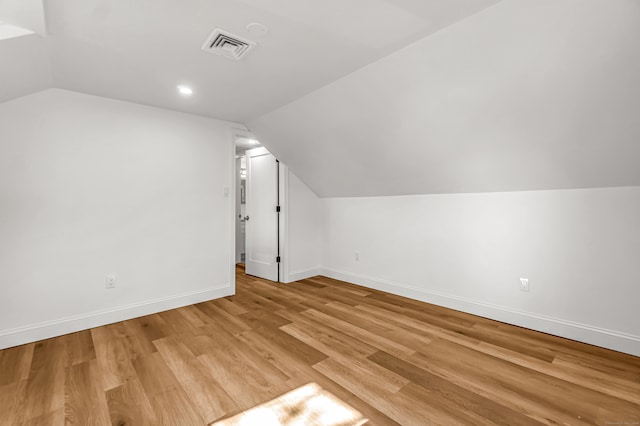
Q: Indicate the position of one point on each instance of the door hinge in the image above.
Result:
(278, 259)
(277, 209)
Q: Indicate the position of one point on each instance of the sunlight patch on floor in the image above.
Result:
(309, 405)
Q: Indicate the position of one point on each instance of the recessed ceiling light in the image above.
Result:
(248, 141)
(185, 90)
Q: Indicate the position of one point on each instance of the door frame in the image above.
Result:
(235, 133)
(283, 181)
(283, 190)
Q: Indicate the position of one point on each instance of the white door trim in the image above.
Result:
(284, 223)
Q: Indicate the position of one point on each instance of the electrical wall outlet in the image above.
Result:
(524, 284)
(356, 256)
(110, 281)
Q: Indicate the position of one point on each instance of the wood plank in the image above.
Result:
(114, 361)
(129, 406)
(229, 306)
(244, 383)
(15, 363)
(325, 339)
(170, 403)
(284, 351)
(154, 374)
(85, 402)
(404, 409)
(135, 339)
(613, 370)
(306, 297)
(374, 416)
(566, 346)
(201, 341)
(231, 323)
(259, 302)
(335, 284)
(210, 399)
(152, 326)
(12, 402)
(177, 323)
(503, 382)
(411, 338)
(452, 396)
(259, 319)
(195, 317)
(54, 418)
(280, 296)
(78, 348)
(173, 407)
(361, 334)
(45, 384)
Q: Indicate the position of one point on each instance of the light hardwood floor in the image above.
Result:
(396, 360)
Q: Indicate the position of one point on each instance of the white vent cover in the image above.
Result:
(228, 45)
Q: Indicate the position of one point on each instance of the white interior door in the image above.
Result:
(261, 218)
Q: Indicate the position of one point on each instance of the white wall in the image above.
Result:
(91, 186)
(303, 245)
(580, 250)
(28, 14)
(523, 95)
(24, 66)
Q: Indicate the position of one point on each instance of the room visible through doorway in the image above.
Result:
(257, 209)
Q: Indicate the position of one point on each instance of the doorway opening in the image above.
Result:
(257, 209)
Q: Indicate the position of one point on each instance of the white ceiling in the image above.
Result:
(539, 94)
(243, 144)
(24, 13)
(491, 96)
(140, 50)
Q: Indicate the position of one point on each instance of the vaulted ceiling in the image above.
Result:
(140, 50)
(369, 97)
(526, 95)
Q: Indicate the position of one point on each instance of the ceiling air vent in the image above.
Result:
(227, 44)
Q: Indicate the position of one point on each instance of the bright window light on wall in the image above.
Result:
(185, 90)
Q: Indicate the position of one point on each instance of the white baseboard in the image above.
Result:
(301, 275)
(605, 338)
(59, 327)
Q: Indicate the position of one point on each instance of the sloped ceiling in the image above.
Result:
(492, 96)
(24, 60)
(24, 13)
(140, 50)
(525, 95)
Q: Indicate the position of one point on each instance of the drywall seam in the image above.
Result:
(59, 327)
(606, 338)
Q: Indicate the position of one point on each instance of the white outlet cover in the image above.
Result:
(110, 281)
(524, 284)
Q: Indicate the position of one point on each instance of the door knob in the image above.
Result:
(246, 218)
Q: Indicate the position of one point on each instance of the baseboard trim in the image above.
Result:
(301, 275)
(59, 327)
(610, 339)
